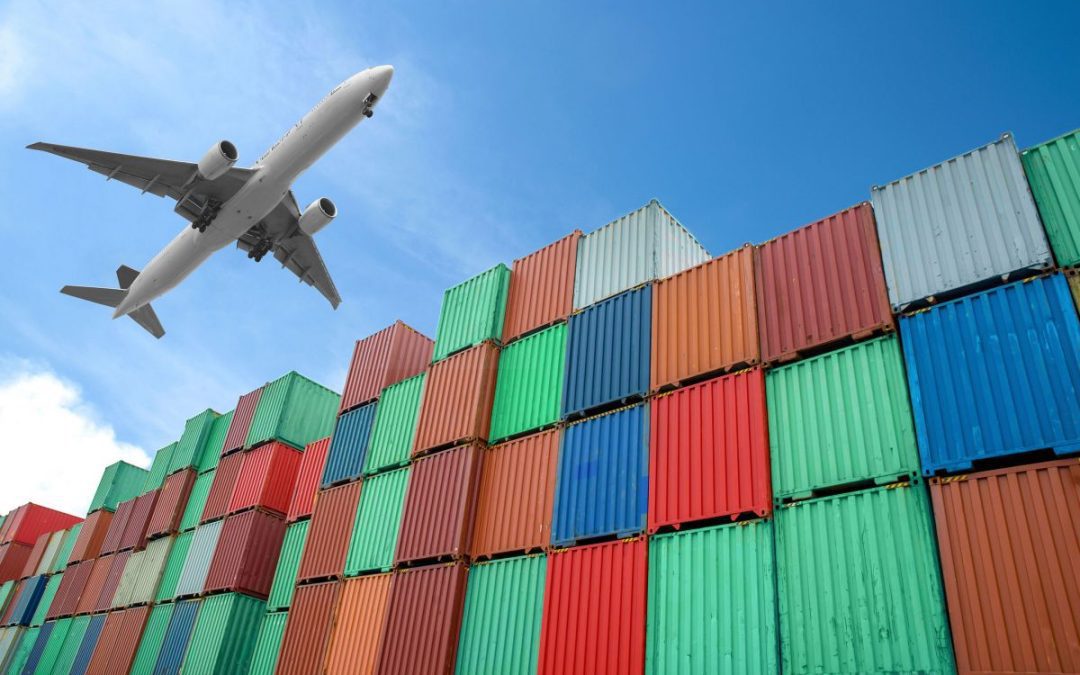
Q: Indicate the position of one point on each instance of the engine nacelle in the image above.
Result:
(317, 215)
(217, 160)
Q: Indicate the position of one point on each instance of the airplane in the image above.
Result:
(223, 203)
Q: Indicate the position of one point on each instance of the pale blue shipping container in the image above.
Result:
(348, 447)
(177, 636)
(89, 642)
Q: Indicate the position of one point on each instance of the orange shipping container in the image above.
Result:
(541, 287)
(456, 404)
(440, 505)
(94, 583)
(423, 617)
(119, 639)
(328, 535)
(111, 542)
(88, 544)
(308, 479)
(354, 644)
(393, 354)
(307, 630)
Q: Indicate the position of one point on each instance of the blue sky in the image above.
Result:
(507, 125)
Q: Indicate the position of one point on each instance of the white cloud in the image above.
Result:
(54, 445)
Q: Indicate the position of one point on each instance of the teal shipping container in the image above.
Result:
(153, 636)
(174, 566)
(378, 520)
(189, 449)
(119, 482)
(1053, 172)
(529, 387)
(159, 468)
(268, 644)
(200, 491)
(215, 443)
(472, 311)
(394, 430)
(293, 410)
(224, 636)
(288, 566)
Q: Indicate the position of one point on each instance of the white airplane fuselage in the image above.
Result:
(273, 176)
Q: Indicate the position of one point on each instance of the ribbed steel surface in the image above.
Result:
(268, 645)
(135, 530)
(16, 643)
(594, 610)
(159, 468)
(112, 580)
(288, 566)
(472, 311)
(117, 527)
(529, 387)
(307, 632)
(328, 535)
(958, 223)
(541, 288)
(197, 564)
(26, 655)
(24, 604)
(91, 535)
(151, 570)
(118, 641)
(37, 551)
(423, 619)
(189, 449)
(215, 443)
(237, 434)
(13, 557)
(1053, 172)
(52, 585)
(994, 374)
(67, 545)
(308, 479)
(1074, 285)
(840, 418)
(171, 502)
(221, 488)
(69, 648)
(153, 636)
(639, 247)
(247, 553)
(354, 642)
(860, 590)
(378, 520)
(71, 588)
(266, 479)
(440, 505)
(119, 482)
(200, 491)
(348, 446)
(95, 581)
(500, 627)
(456, 403)
(294, 410)
(89, 642)
(712, 601)
(50, 547)
(14, 589)
(607, 352)
(174, 567)
(1010, 555)
(394, 428)
(54, 633)
(602, 487)
(122, 596)
(393, 354)
(177, 637)
(6, 589)
(224, 636)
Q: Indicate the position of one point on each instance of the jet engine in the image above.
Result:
(317, 215)
(217, 160)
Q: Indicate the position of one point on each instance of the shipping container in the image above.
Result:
(348, 446)
(472, 312)
(705, 320)
(712, 601)
(46, 648)
(1010, 557)
(67, 545)
(456, 402)
(839, 419)
(328, 536)
(440, 505)
(69, 648)
(607, 353)
(247, 554)
(14, 647)
(52, 585)
(135, 531)
(378, 520)
(89, 642)
(236, 436)
(30, 647)
(354, 641)
(71, 590)
(995, 374)
(394, 429)
(222, 486)
(13, 597)
(423, 619)
(637, 248)
(224, 636)
(6, 590)
(118, 641)
(500, 628)
(264, 658)
(28, 522)
(122, 597)
(13, 557)
(1053, 172)
(153, 637)
(307, 632)
(266, 479)
(293, 410)
(159, 468)
(215, 443)
(1073, 276)
(177, 637)
(192, 444)
(859, 585)
(528, 390)
(395, 353)
(200, 491)
(119, 482)
(95, 581)
(517, 493)
(288, 567)
(170, 505)
(53, 542)
(33, 561)
(111, 582)
(594, 610)
(24, 603)
(117, 527)
(541, 290)
(957, 224)
(91, 536)
(174, 567)
(602, 487)
(151, 569)
(197, 564)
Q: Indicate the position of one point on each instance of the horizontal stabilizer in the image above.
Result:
(145, 317)
(110, 297)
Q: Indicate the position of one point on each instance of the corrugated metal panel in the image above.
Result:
(197, 564)
(69, 649)
(705, 319)
(1074, 285)
(189, 449)
(34, 559)
(349, 445)
(860, 590)
(1010, 555)
(472, 311)
(394, 428)
(13, 558)
(159, 468)
(541, 288)
(200, 491)
(594, 610)
(423, 618)
(130, 574)
(440, 505)
(308, 479)
(177, 636)
(111, 542)
(354, 642)
(116, 645)
(958, 223)
(603, 482)
(995, 374)
(67, 545)
(456, 403)
(517, 491)
(26, 655)
(268, 644)
(153, 636)
(294, 410)
(24, 604)
(1053, 172)
(112, 580)
(151, 570)
(13, 595)
(171, 502)
(119, 482)
(55, 634)
(328, 536)
(6, 589)
(71, 588)
(53, 541)
(91, 536)
(607, 352)
(236, 436)
(820, 284)
(16, 644)
(86, 647)
(393, 354)
(215, 443)
(840, 418)
(712, 601)
(500, 628)
(288, 566)
(246, 554)
(307, 632)
(528, 391)
(224, 636)
(639, 247)
(52, 585)
(135, 531)
(221, 488)
(28, 522)
(267, 478)
(95, 581)
(378, 519)
(174, 567)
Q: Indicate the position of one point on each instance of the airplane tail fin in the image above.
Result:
(112, 297)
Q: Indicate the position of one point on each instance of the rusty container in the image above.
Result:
(541, 288)
(307, 479)
(423, 619)
(393, 354)
(135, 530)
(240, 424)
(457, 398)
(111, 582)
(115, 650)
(95, 581)
(354, 642)
(91, 535)
(171, 502)
(266, 479)
(328, 536)
(111, 542)
(71, 590)
(221, 489)
(307, 630)
(247, 554)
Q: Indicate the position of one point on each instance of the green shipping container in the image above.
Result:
(378, 519)
(19, 653)
(152, 638)
(860, 587)
(119, 482)
(46, 600)
(268, 644)
(394, 428)
(159, 468)
(288, 566)
(214, 443)
(190, 447)
(224, 636)
(55, 643)
(528, 391)
(63, 555)
(295, 410)
(174, 566)
(472, 312)
(5, 594)
(1053, 172)
(200, 490)
(65, 656)
(839, 418)
(500, 627)
(712, 601)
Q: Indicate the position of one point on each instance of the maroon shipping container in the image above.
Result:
(13, 557)
(246, 554)
(308, 479)
(34, 559)
(91, 536)
(135, 530)
(95, 581)
(307, 630)
(236, 436)
(171, 501)
(111, 542)
(26, 523)
(118, 641)
(71, 589)
(820, 284)
(456, 403)
(221, 489)
(440, 505)
(393, 354)
(267, 478)
(328, 535)
(112, 580)
(423, 617)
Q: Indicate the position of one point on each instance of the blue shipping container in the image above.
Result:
(86, 648)
(602, 485)
(607, 352)
(177, 635)
(38, 649)
(23, 609)
(994, 374)
(348, 447)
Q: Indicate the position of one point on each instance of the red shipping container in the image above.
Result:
(395, 353)
(247, 554)
(236, 436)
(541, 287)
(457, 398)
(95, 581)
(329, 533)
(440, 505)
(119, 639)
(13, 557)
(91, 536)
(112, 580)
(36, 552)
(594, 610)
(135, 531)
(171, 501)
(26, 523)
(308, 479)
(111, 542)
(709, 451)
(267, 478)
(307, 630)
(820, 284)
(71, 589)
(221, 488)
(423, 618)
